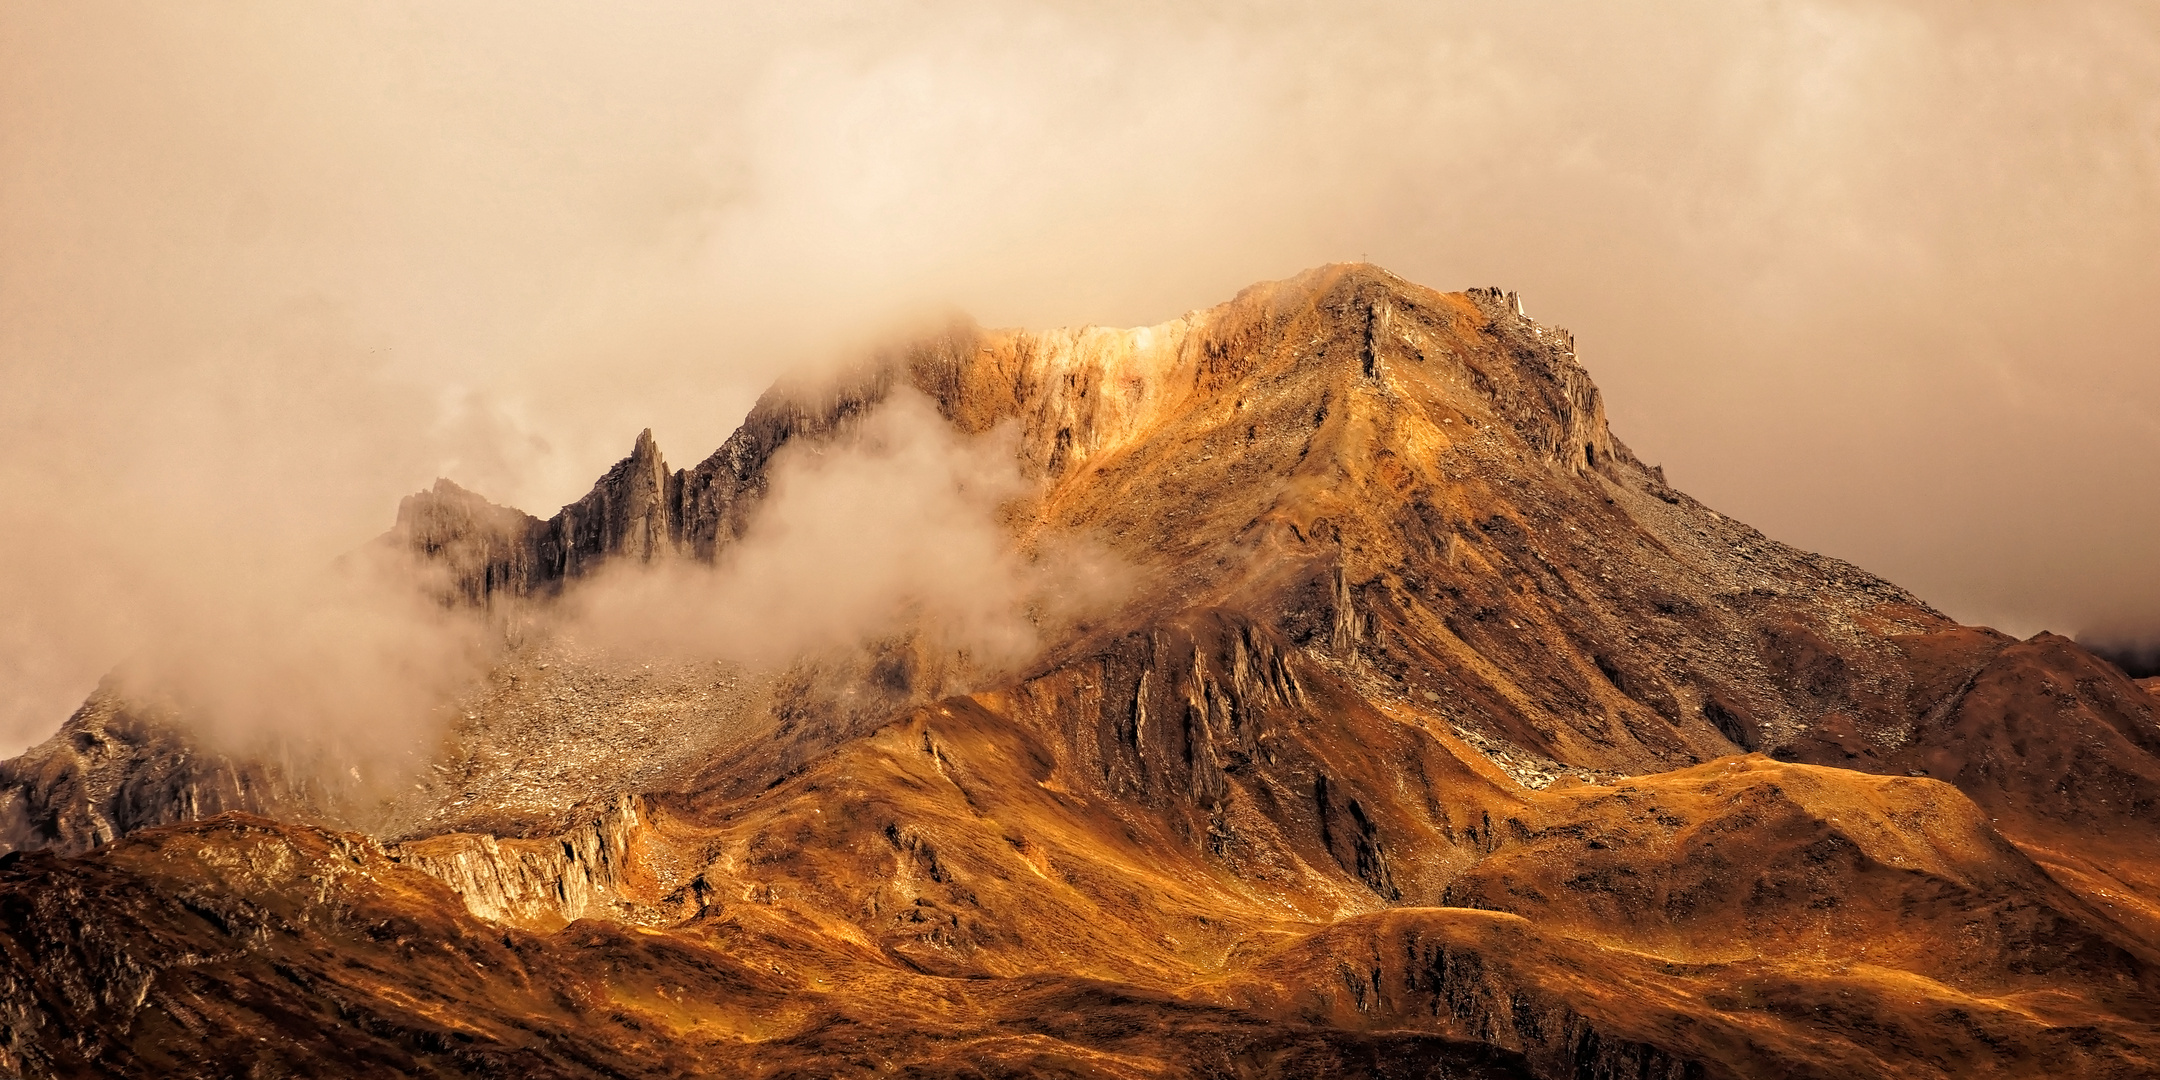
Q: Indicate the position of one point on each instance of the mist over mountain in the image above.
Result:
(1314, 684)
(2137, 659)
(1080, 540)
(1874, 277)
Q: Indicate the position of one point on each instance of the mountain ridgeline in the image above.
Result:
(1056, 381)
(1437, 736)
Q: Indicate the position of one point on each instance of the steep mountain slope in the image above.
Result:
(1437, 736)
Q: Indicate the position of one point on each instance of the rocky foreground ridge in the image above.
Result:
(1439, 737)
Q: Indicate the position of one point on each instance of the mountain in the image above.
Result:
(1437, 735)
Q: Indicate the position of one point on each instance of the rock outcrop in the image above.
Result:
(487, 551)
(543, 883)
(114, 768)
(637, 510)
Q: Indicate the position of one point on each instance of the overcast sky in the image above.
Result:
(1878, 278)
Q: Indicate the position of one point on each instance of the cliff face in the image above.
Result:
(539, 884)
(486, 551)
(637, 510)
(1439, 736)
(114, 768)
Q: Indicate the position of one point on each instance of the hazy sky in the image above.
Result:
(1880, 279)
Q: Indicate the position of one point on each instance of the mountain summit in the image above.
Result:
(1436, 735)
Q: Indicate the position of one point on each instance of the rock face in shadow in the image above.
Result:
(488, 551)
(638, 510)
(113, 769)
(1438, 736)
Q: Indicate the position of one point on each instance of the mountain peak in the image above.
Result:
(1347, 342)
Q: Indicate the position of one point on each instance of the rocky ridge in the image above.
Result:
(116, 766)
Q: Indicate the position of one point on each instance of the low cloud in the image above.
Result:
(2137, 654)
(349, 671)
(899, 526)
(1873, 277)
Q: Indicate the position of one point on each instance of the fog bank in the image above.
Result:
(896, 527)
(1876, 278)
